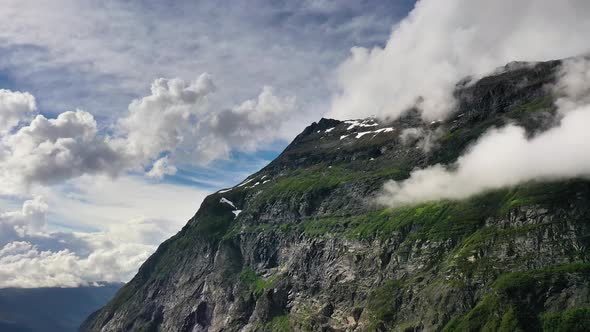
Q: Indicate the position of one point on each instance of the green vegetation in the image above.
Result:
(537, 105)
(483, 317)
(449, 219)
(318, 180)
(570, 320)
(515, 299)
(278, 324)
(256, 283)
(435, 220)
(528, 281)
(382, 302)
(509, 321)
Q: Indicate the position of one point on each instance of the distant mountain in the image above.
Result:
(50, 309)
(300, 246)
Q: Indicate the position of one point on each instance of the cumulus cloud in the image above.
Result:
(32, 256)
(160, 168)
(176, 119)
(163, 120)
(14, 106)
(172, 124)
(52, 150)
(506, 156)
(29, 221)
(441, 42)
(244, 127)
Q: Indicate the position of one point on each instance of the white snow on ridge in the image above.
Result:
(237, 212)
(227, 201)
(254, 185)
(364, 123)
(245, 182)
(330, 129)
(343, 137)
(382, 130)
(225, 190)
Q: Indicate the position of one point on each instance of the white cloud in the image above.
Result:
(166, 118)
(506, 156)
(23, 264)
(14, 107)
(245, 127)
(160, 168)
(99, 202)
(174, 120)
(441, 42)
(29, 221)
(573, 85)
(52, 150)
(33, 255)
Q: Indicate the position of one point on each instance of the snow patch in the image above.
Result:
(254, 185)
(329, 130)
(237, 212)
(364, 123)
(225, 190)
(382, 130)
(227, 201)
(343, 137)
(245, 182)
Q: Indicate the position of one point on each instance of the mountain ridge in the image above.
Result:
(310, 250)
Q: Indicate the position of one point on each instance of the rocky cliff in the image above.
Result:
(302, 246)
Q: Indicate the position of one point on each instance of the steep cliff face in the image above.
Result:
(301, 245)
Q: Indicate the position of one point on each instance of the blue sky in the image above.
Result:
(99, 55)
(269, 67)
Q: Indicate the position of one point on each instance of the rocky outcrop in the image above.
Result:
(311, 251)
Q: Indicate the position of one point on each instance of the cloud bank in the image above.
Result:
(506, 157)
(131, 217)
(32, 256)
(441, 42)
(174, 123)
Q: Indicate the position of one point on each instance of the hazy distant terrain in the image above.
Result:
(50, 309)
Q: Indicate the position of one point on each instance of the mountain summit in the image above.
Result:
(303, 245)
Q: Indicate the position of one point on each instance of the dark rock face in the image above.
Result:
(311, 251)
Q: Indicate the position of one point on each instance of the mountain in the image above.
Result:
(50, 309)
(302, 246)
